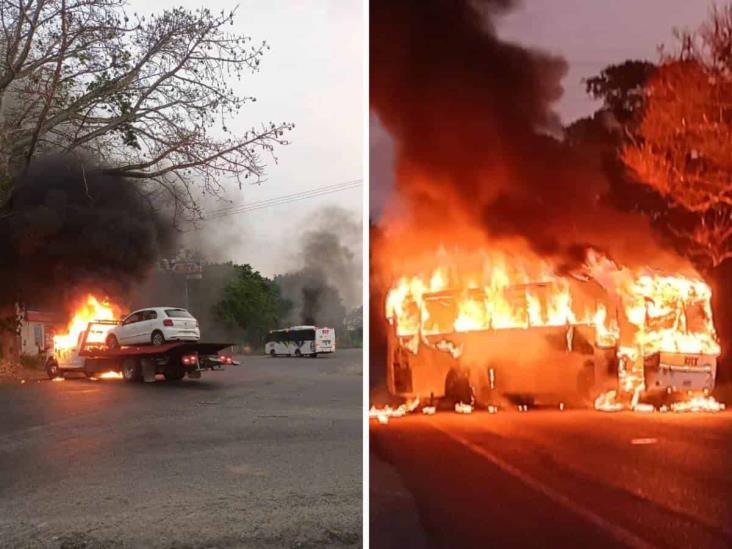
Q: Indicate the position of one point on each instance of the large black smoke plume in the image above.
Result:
(66, 228)
(476, 135)
(327, 283)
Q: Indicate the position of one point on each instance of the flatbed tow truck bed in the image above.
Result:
(184, 347)
(174, 360)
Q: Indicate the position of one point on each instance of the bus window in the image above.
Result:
(307, 334)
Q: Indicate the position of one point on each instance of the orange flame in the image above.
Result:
(382, 415)
(638, 311)
(500, 295)
(88, 310)
(109, 375)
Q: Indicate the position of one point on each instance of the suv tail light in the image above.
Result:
(167, 322)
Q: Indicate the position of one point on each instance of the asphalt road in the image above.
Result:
(552, 479)
(266, 454)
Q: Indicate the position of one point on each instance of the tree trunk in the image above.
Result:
(720, 280)
(9, 344)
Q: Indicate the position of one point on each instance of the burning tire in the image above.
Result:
(52, 369)
(131, 370)
(112, 342)
(157, 338)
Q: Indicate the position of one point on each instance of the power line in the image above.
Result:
(281, 200)
(334, 187)
(318, 191)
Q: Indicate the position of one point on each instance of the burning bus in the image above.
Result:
(509, 333)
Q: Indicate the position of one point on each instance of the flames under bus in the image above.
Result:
(300, 341)
(530, 356)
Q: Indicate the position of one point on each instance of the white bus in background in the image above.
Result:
(300, 341)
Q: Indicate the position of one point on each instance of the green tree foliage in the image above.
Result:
(622, 89)
(253, 303)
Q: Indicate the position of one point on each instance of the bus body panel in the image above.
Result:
(680, 372)
(548, 362)
(300, 341)
(325, 340)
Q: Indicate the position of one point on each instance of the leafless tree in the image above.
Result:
(148, 98)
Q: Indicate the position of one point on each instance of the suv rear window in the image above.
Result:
(178, 313)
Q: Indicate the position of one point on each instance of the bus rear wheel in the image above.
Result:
(272, 353)
(298, 354)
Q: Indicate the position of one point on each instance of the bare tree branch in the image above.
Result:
(149, 97)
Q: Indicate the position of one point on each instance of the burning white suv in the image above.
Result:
(155, 326)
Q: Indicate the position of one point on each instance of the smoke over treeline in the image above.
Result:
(472, 120)
(327, 283)
(66, 228)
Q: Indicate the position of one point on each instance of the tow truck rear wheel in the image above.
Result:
(157, 338)
(131, 370)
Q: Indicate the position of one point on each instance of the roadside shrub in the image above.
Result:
(34, 362)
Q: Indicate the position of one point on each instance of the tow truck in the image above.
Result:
(174, 360)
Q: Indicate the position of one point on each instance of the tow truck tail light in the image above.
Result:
(189, 360)
(226, 359)
(167, 322)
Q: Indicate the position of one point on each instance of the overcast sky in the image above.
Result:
(589, 34)
(312, 76)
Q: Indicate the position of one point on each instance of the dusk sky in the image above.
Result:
(589, 34)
